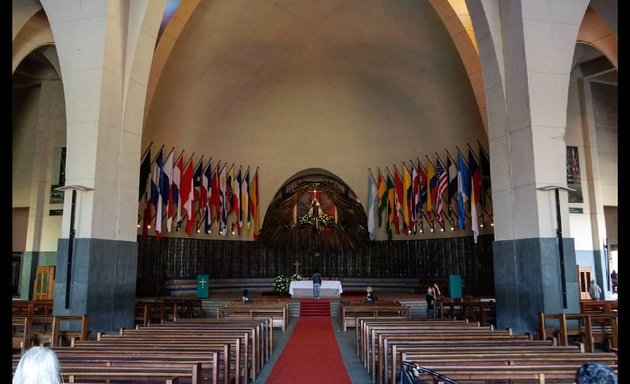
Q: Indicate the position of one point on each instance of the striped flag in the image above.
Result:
(391, 204)
(158, 199)
(432, 183)
(407, 200)
(372, 206)
(382, 197)
(167, 190)
(178, 168)
(206, 196)
(253, 204)
(223, 201)
(245, 214)
(399, 189)
(422, 177)
(442, 177)
(475, 191)
(463, 190)
(188, 197)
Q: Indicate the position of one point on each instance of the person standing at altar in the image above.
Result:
(317, 283)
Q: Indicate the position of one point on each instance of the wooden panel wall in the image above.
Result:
(223, 259)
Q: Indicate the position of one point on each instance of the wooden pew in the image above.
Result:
(486, 373)
(28, 331)
(279, 312)
(377, 358)
(349, 312)
(244, 355)
(587, 328)
(399, 348)
(32, 307)
(599, 306)
(104, 367)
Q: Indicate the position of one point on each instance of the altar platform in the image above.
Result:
(302, 289)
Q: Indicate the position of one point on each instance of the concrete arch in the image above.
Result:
(35, 32)
(596, 32)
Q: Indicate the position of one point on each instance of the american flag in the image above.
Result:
(442, 188)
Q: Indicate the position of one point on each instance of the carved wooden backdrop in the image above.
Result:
(222, 259)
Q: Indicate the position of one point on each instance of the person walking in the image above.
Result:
(432, 292)
(595, 291)
(317, 283)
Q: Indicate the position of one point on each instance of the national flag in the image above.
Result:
(475, 191)
(372, 206)
(253, 204)
(382, 197)
(223, 200)
(407, 199)
(463, 190)
(399, 188)
(197, 181)
(145, 190)
(391, 204)
(415, 185)
(166, 190)
(442, 177)
(244, 200)
(484, 164)
(451, 170)
(229, 190)
(422, 177)
(188, 195)
(157, 198)
(145, 172)
(432, 183)
(206, 196)
(236, 200)
(178, 168)
(215, 198)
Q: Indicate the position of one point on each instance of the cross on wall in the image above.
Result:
(297, 266)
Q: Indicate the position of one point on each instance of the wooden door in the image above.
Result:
(44, 285)
(584, 280)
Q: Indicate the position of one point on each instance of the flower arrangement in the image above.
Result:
(324, 220)
(281, 284)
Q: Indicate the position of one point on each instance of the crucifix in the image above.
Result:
(203, 282)
(297, 266)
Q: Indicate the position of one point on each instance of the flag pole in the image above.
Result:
(146, 150)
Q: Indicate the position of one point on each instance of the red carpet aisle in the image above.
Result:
(311, 354)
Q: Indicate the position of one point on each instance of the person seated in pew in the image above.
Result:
(38, 365)
(595, 373)
(245, 297)
(370, 297)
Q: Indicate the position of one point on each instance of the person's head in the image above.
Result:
(38, 365)
(368, 289)
(595, 373)
(245, 292)
(430, 290)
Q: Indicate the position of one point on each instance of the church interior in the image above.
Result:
(187, 160)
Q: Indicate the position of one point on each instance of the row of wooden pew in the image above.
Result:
(465, 351)
(28, 331)
(277, 310)
(351, 310)
(199, 350)
(587, 329)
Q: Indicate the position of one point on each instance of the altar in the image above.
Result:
(301, 289)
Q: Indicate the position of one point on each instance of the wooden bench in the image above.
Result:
(377, 356)
(399, 348)
(32, 307)
(599, 306)
(587, 328)
(279, 312)
(103, 367)
(487, 373)
(349, 312)
(245, 354)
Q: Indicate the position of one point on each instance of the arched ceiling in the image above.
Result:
(254, 64)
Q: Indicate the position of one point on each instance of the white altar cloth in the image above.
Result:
(304, 289)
